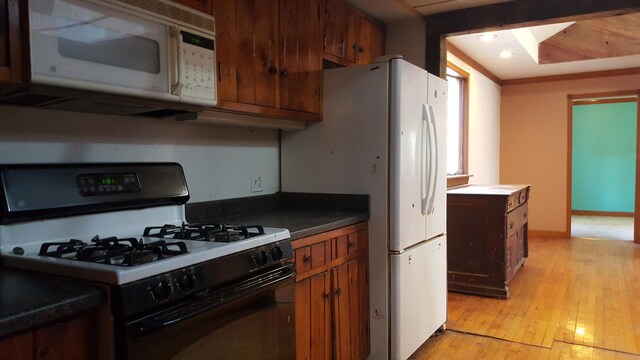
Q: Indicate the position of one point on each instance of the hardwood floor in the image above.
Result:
(574, 299)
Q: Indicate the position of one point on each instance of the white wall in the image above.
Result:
(217, 160)
(484, 126)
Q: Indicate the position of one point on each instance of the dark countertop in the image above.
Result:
(301, 223)
(29, 299)
(303, 214)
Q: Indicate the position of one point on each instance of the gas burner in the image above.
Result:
(113, 251)
(205, 232)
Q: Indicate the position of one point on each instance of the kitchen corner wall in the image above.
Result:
(534, 141)
(218, 161)
(408, 38)
(484, 126)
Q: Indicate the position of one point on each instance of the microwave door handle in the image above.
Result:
(176, 87)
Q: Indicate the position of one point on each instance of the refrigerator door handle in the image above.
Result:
(434, 152)
(424, 179)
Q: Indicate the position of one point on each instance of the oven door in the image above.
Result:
(251, 319)
(100, 47)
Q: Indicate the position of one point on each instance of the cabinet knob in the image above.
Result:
(350, 244)
(525, 215)
(327, 296)
(354, 47)
(284, 73)
(511, 226)
(272, 70)
(307, 259)
(339, 292)
(360, 49)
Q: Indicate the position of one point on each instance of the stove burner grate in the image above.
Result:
(206, 232)
(113, 251)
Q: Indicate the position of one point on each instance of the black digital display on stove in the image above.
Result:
(107, 184)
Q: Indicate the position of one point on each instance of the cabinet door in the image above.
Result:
(301, 55)
(19, 347)
(370, 41)
(350, 319)
(247, 49)
(313, 318)
(11, 67)
(341, 28)
(69, 340)
(200, 5)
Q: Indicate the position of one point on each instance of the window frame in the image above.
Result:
(456, 179)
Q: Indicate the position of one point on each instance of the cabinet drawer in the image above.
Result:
(311, 257)
(516, 219)
(348, 244)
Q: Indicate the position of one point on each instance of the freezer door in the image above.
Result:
(418, 298)
(408, 154)
(436, 207)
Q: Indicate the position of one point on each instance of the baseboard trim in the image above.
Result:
(602, 213)
(548, 234)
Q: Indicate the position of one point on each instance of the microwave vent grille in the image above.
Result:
(175, 13)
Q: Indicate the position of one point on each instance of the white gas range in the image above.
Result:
(123, 225)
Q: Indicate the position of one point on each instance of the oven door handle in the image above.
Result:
(181, 312)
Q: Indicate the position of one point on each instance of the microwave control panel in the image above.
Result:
(198, 68)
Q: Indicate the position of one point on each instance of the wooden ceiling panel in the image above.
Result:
(593, 39)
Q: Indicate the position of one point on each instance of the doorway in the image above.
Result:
(603, 165)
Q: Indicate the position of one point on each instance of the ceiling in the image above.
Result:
(553, 49)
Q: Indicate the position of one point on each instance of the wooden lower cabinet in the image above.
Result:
(73, 339)
(332, 295)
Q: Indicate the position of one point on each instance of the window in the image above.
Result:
(457, 124)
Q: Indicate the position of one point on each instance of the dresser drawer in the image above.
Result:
(516, 219)
(311, 257)
(517, 199)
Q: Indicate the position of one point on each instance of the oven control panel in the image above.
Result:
(199, 279)
(105, 184)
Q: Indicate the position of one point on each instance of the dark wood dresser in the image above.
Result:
(487, 232)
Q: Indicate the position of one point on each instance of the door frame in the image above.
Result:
(604, 98)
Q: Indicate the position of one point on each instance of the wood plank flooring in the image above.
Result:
(574, 299)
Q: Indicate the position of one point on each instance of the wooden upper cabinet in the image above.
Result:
(200, 5)
(301, 55)
(351, 37)
(341, 30)
(371, 41)
(247, 50)
(11, 65)
(269, 57)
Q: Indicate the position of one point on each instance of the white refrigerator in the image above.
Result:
(383, 134)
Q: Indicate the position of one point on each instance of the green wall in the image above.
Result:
(604, 157)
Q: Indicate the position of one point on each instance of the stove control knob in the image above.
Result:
(187, 282)
(261, 258)
(276, 253)
(162, 291)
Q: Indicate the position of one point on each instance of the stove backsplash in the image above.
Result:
(218, 161)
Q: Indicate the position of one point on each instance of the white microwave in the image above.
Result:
(156, 50)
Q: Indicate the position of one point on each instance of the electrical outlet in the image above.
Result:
(256, 182)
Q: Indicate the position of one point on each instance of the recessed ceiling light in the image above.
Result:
(505, 54)
(487, 37)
